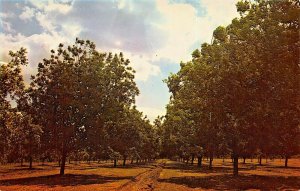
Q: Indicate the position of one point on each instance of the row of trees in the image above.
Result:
(239, 95)
(79, 104)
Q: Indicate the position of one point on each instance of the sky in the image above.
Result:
(155, 35)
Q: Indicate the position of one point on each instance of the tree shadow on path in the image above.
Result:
(203, 169)
(65, 180)
(242, 182)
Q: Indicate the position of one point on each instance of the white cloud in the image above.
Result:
(143, 67)
(38, 46)
(45, 22)
(220, 12)
(6, 15)
(121, 4)
(71, 29)
(152, 112)
(142, 64)
(6, 26)
(10, 42)
(48, 13)
(184, 27)
(58, 7)
(118, 43)
(52, 6)
(27, 14)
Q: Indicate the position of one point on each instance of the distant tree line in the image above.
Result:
(79, 106)
(239, 96)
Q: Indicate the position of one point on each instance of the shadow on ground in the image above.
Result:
(18, 170)
(221, 178)
(282, 167)
(203, 169)
(65, 180)
(243, 182)
(225, 168)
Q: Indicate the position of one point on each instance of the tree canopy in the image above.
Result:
(241, 92)
(237, 97)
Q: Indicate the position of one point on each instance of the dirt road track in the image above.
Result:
(145, 181)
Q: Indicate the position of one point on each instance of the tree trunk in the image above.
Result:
(115, 162)
(131, 160)
(259, 160)
(244, 160)
(124, 161)
(21, 160)
(63, 163)
(137, 161)
(30, 153)
(236, 165)
(211, 158)
(200, 161)
(30, 162)
(193, 157)
(286, 162)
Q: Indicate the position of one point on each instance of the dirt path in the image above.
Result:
(145, 181)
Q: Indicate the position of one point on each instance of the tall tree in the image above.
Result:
(11, 88)
(77, 92)
(249, 98)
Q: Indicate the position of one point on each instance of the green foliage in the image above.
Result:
(241, 95)
(83, 102)
(11, 88)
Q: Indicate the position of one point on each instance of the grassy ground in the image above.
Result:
(79, 177)
(172, 176)
(269, 176)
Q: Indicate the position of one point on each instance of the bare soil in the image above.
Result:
(145, 181)
(162, 175)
